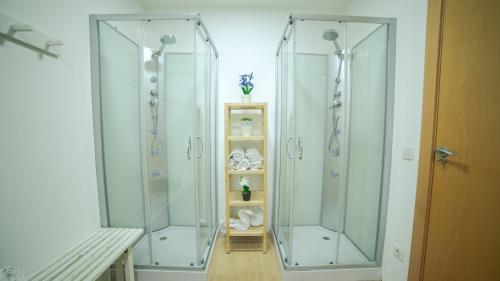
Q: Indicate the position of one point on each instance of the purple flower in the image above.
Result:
(246, 83)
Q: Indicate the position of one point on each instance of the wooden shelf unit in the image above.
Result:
(259, 195)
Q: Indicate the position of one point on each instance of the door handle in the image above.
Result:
(443, 153)
(288, 148)
(188, 148)
(300, 145)
(202, 147)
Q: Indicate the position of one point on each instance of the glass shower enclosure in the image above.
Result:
(154, 84)
(334, 131)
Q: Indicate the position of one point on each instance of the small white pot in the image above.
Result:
(246, 128)
(245, 98)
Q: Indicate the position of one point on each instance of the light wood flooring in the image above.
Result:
(246, 262)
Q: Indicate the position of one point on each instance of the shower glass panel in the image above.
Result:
(202, 148)
(121, 126)
(367, 133)
(155, 133)
(332, 128)
(287, 67)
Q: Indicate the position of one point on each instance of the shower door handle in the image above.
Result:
(300, 146)
(188, 148)
(202, 147)
(290, 155)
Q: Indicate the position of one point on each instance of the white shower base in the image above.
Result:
(178, 249)
(309, 248)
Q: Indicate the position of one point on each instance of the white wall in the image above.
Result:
(411, 17)
(48, 193)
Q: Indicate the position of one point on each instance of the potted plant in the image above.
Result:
(246, 193)
(246, 86)
(246, 126)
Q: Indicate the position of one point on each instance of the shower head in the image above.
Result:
(165, 40)
(332, 35)
(168, 39)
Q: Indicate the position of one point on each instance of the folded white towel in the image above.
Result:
(255, 166)
(247, 217)
(258, 217)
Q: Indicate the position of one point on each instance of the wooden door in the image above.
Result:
(463, 220)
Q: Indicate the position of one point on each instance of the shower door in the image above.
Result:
(202, 145)
(287, 149)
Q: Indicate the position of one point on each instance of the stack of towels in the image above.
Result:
(247, 217)
(241, 160)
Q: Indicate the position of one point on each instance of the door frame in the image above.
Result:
(432, 73)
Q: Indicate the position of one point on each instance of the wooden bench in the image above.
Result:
(91, 258)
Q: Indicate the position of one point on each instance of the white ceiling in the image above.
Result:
(295, 4)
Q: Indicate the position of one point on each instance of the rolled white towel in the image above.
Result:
(255, 166)
(232, 164)
(237, 155)
(253, 155)
(243, 164)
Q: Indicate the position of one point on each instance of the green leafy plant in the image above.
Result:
(246, 189)
(246, 119)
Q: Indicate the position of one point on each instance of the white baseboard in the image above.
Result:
(355, 274)
(177, 275)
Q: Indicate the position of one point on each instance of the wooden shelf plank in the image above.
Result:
(236, 200)
(252, 231)
(246, 172)
(233, 106)
(242, 138)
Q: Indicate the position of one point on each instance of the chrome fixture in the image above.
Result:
(156, 141)
(443, 153)
(336, 103)
(333, 142)
(332, 35)
(165, 40)
(19, 28)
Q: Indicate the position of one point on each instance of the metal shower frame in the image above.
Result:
(390, 79)
(94, 19)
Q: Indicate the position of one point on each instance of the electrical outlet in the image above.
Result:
(398, 252)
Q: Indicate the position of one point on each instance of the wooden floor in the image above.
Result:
(245, 263)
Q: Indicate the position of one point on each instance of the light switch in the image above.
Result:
(407, 153)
